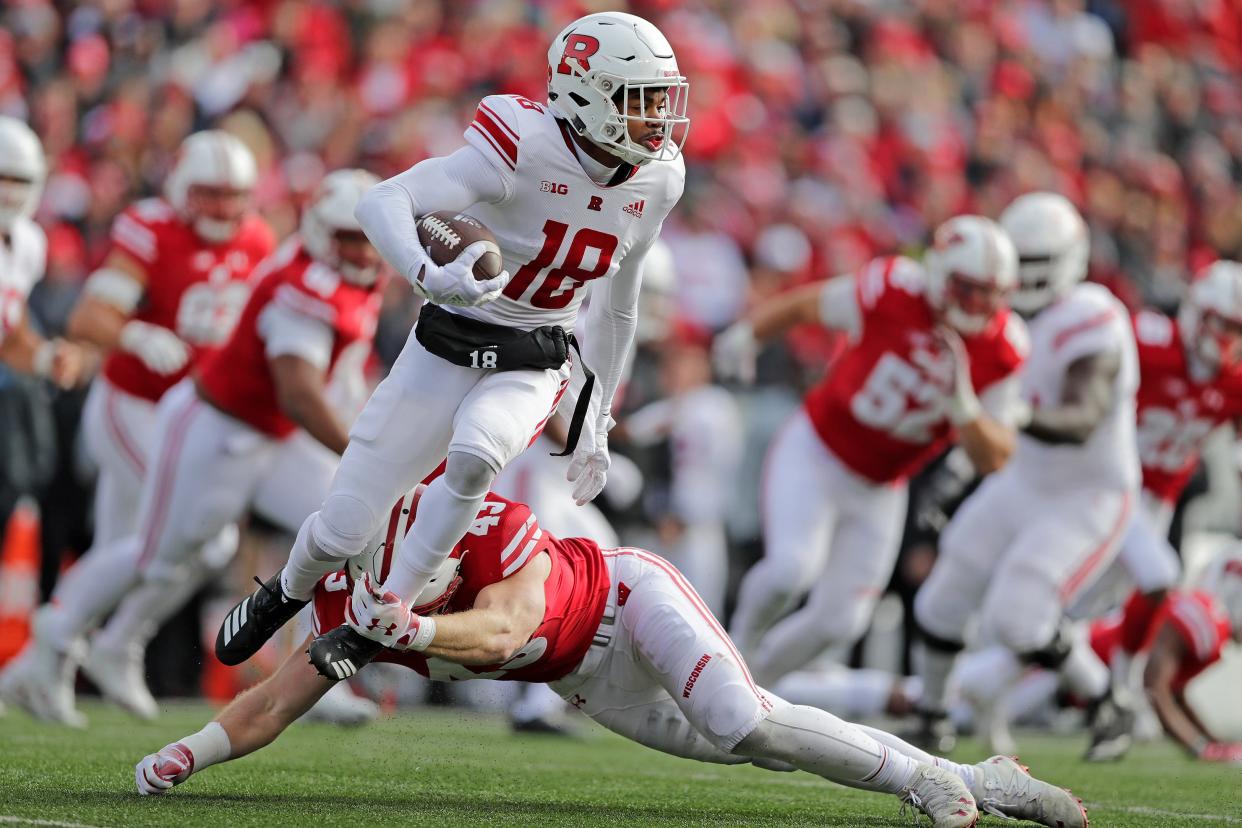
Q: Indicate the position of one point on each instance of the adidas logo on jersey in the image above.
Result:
(635, 209)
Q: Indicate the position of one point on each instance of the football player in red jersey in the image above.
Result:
(933, 358)
(221, 437)
(171, 289)
(622, 636)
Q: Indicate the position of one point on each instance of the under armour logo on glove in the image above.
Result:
(382, 617)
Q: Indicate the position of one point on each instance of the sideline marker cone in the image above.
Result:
(19, 577)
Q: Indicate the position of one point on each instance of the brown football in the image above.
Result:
(445, 234)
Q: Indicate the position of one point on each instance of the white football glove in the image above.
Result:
(588, 468)
(734, 351)
(382, 617)
(454, 283)
(159, 348)
(158, 772)
(963, 402)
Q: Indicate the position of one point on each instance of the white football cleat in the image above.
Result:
(942, 796)
(120, 676)
(40, 681)
(1005, 788)
(341, 706)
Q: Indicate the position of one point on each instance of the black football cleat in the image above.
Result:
(934, 733)
(342, 652)
(251, 623)
(1112, 729)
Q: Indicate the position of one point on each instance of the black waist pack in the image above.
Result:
(474, 344)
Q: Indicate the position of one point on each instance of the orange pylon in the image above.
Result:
(19, 577)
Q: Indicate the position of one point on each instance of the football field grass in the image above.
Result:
(447, 768)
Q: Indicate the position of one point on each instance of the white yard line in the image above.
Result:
(9, 819)
(1143, 810)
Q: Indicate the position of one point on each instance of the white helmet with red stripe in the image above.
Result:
(215, 159)
(594, 65)
(1210, 317)
(23, 170)
(1053, 249)
(971, 270)
(330, 212)
(377, 557)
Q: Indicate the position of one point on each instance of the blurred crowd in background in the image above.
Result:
(824, 132)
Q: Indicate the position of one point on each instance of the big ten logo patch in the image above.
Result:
(553, 187)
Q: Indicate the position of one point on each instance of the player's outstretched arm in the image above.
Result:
(985, 429)
(23, 350)
(253, 720)
(1088, 395)
(832, 304)
(1167, 654)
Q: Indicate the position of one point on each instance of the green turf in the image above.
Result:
(452, 769)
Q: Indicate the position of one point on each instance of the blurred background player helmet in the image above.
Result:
(1053, 249)
(1210, 317)
(971, 271)
(23, 170)
(212, 158)
(593, 66)
(332, 211)
(377, 557)
(657, 296)
(1223, 578)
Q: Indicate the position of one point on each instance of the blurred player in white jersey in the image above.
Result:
(223, 436)
(705, 433)
(23, 256)
(932, 359)
(575, 191)
(1038, 533)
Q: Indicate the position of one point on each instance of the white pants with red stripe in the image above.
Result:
(206, 470)
(826, 530)
(116, 430)
(663, 672)
(1021, 556)
(425, 408)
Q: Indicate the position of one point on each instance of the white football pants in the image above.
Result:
(116, 430)
(827, 531)
(1021, 556)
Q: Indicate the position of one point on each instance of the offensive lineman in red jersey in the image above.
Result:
(623, 637)
(927, 342)
(170, 290)
(221, 442)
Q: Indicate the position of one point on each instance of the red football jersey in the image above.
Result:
(504, 538)
(1175, 413)
(194, 288)
(237, 378)
(882, 408)
(1196, 616)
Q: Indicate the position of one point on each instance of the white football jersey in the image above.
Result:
(556, 227)
(22, 261)
(1090, 320)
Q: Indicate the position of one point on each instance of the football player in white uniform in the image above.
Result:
(575, 191)
(1036, 534)
(23, 256)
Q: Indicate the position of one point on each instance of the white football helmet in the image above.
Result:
(1223, 578)
(971, 270)
(332, 210)
(594, 64)
(23, 170)
(377, 557)
(212, 158)
(1210, 317)
(657, 304)
(1053, 249)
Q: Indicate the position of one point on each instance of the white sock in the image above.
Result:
(1085, 675)
(936, 666)
(208, 747)
(145, 609)
(443, 518)
(964, 772)
(307, 563)
(983, 676)
(818, 742)
(89, 591)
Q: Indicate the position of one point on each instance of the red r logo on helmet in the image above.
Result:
(577, 47)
